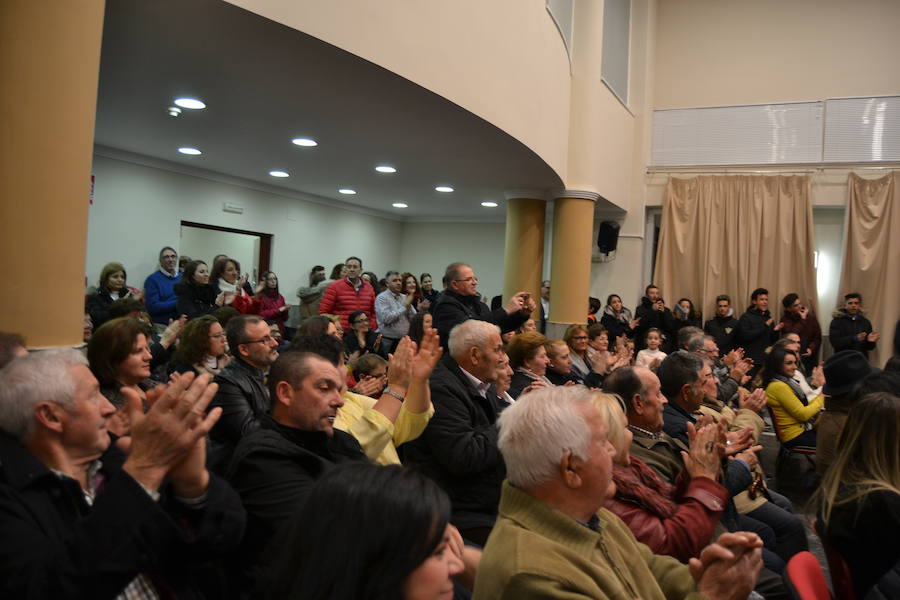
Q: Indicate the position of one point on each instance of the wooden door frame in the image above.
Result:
(265, 240)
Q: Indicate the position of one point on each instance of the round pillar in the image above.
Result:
(523, 261)
(49, 70)
(570, 265)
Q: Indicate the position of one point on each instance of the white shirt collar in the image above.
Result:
(480, 386)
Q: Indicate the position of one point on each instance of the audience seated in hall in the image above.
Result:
(795, 414)
(196, 296)
(82, 519)
(576, 336)
(559, 365)
(554, 539)
(678, 520)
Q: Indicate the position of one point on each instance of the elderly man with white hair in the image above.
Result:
(552, 539)
(459, 447)
(80, 518)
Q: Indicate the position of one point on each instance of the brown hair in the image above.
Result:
(110, 268)
(111, 344)
(524, 347)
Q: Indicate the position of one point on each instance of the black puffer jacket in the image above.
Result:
(754, 335)
(844, 330)
(244, 400)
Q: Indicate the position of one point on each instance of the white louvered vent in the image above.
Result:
(862, 129)
(764, 134)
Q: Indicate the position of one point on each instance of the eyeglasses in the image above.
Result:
(265, 340)
(169, 256)
(579, 337)
(468, 279)
(217, 336)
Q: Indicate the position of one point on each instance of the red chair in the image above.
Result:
(785, 453)
(804, 578)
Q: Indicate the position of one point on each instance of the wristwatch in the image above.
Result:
(390, 392)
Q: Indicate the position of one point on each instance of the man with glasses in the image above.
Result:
(242, 394)
(461, 302)
(349, 294)
(159, 289)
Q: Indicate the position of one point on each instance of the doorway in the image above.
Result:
(251, 249)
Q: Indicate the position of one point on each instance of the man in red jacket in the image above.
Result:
(349, 294)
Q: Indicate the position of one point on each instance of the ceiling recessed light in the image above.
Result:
(189, 150)
(279, 174)
(400, 205)
(191, 103)
(444, 188)
(385, 169)
(305, 142)
(347, 191)
(489, 204)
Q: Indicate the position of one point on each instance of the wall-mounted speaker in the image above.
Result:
(608, 237)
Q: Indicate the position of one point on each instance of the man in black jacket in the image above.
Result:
(460, 302)
(275, 465)
(723, 325)
(757, 329)
(242, 394)
(850, 330)
(459, 447)
(653, 313)
(80, 519)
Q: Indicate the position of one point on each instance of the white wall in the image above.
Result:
(829, 231)
(430, 247)
(138, 209)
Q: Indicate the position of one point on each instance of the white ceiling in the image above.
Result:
(265, 84)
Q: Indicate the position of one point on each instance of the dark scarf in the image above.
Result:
(639, 484)
(795, 387)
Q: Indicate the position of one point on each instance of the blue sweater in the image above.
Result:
(159, 296)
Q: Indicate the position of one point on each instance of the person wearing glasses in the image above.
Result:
(159, 288)
(202, 348)
(461, 302)
(242, 394)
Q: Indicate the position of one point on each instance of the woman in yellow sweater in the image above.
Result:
(795, 416)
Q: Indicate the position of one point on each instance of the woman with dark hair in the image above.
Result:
(418, 324)
(119, 356)
(372, 278)
(528, 358)
(428, 291)
(110, 288)
(593, 307)
(360, 339)
(686, 315)
(795, 415)
(366, 531)
(226, 277)
(317, 325)
(339, 271)
(272, 306)
(617, 319)
(201, 348)
(196, 297)
(411, 286)
(859, 498)
(576, 337)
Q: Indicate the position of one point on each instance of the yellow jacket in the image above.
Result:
(790, 413)
(376, 434)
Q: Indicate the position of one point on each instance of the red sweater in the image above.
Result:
(340, 298)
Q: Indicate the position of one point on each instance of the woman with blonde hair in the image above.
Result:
(576, 337)
(859, 498)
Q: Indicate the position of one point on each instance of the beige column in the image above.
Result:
(570, 265)
(49, 70)
(524, 254)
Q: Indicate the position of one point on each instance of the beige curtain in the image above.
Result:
(733, 234)
(872, 254)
